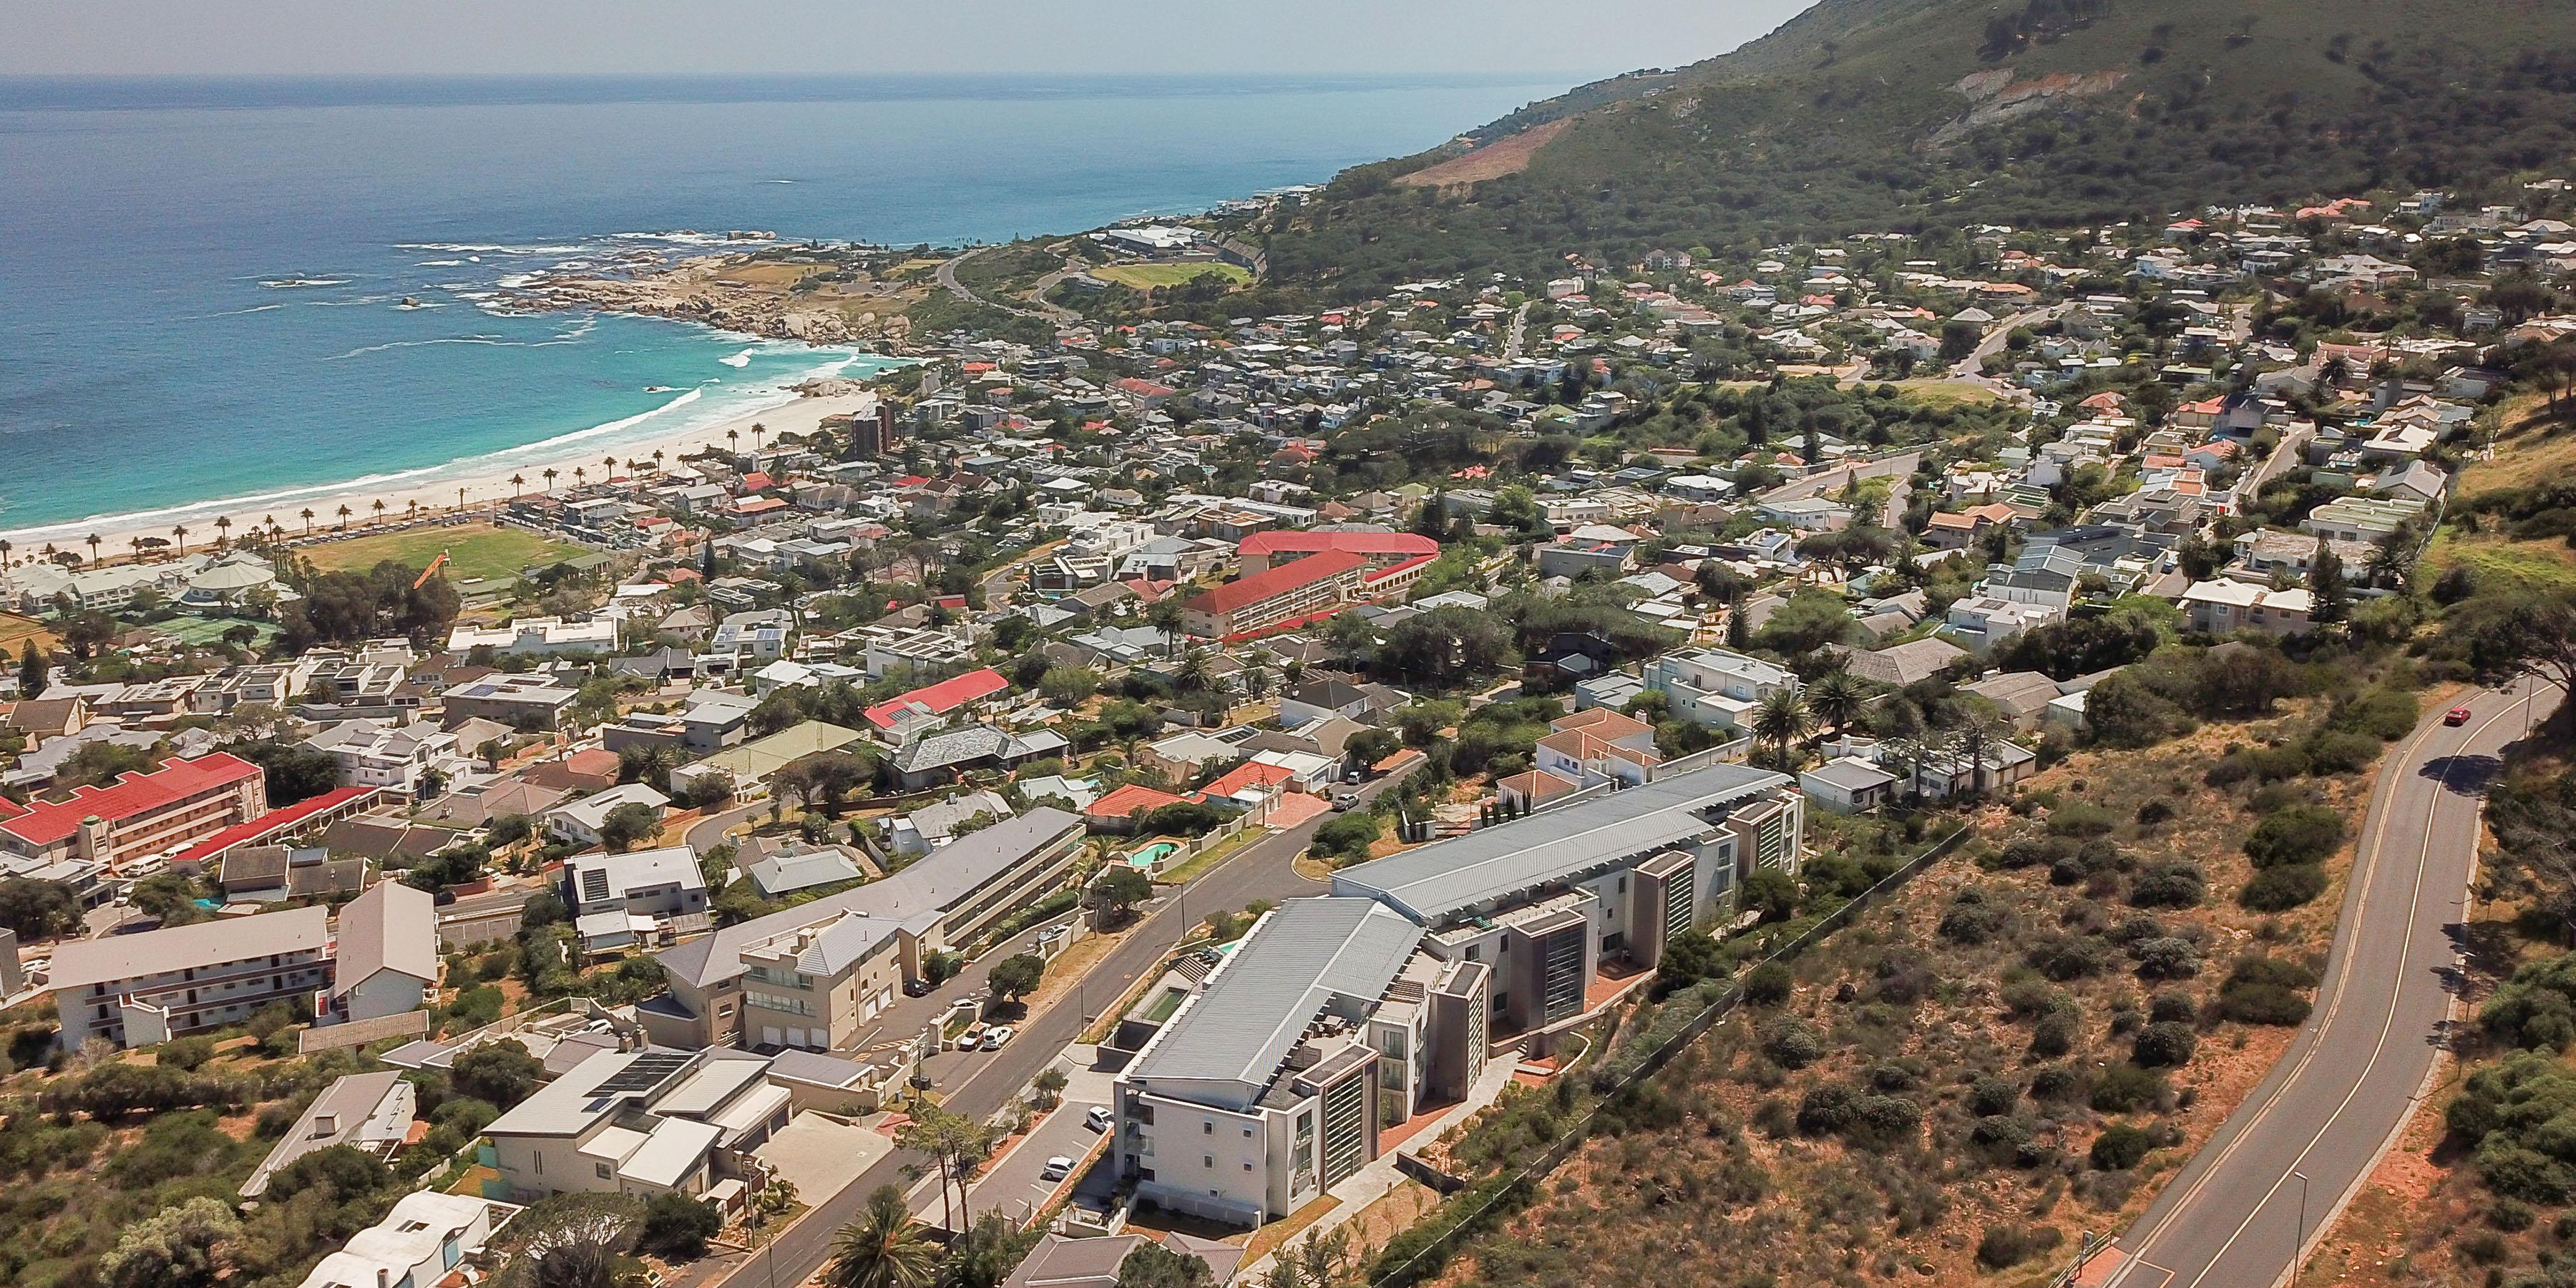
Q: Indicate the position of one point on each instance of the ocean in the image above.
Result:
(229, 294)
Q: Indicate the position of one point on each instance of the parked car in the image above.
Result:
(995, 1036)
(916, 988)
(2456, 716)
(1097, 1119)
(1344, 798)
(1056, 1169)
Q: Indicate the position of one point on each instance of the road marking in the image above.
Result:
(2423, 861)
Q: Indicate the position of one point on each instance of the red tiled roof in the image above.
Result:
(272, 823)
(52, 822)
(941, 698)
(1367, 543)
(1248, 774)
(1131, 800)
(756, 480)
(1246, 591)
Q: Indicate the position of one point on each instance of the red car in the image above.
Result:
(2456, 716)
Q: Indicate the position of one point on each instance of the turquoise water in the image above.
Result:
(203, 294)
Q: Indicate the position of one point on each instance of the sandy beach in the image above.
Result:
(484, 483)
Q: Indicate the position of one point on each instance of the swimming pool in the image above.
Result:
(1152, 854)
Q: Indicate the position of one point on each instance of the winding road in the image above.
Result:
(2272, 1179)
(1044, 312)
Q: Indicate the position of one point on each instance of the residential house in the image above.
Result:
(639, 1123)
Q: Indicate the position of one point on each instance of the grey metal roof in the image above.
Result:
(80, 963)
(928, 886)
(1486, 866)
(391, 927)
(1241, 1027)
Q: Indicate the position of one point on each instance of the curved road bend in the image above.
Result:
(1261, 870)
(2233, 1216)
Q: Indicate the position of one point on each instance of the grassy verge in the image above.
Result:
(474, 551)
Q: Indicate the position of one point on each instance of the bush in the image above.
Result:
(2341, 753)
(1826, 1109)
(2070, 957)
(186, 1053)
(2173, 1005)
(2165, 1045)
(2006, 1246)
(2080, 820)
(1768, 984)
(1990, 1095)
(2169, 885)
(1971, 920)
(2294, 836)
(677, 1227)
(2168, 958)
(2536, 1008)
(2279, 889)
(2126, 1087)
(2385, 714)
(2055, 1034)
(2266, 990)
(1792, 1043)
(2032, 852)
(2121, 1147)
(2511, 1215)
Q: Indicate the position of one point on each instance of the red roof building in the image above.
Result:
(141, 814)
(938, 699)
(306, 815)
(1383, 549)
(1124, 804)
(1314, 584)
(1250, 775)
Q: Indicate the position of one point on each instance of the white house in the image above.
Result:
(579, 821)
(426, 1235)
(1716, 688)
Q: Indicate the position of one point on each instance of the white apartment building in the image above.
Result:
(1715, 688)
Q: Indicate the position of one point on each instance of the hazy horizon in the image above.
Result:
(693, 38)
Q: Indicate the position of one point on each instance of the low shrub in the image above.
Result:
(2123, 1088)
(2293, 836)
(2266, 990)
(2283, 888)
(2121, 1147)
(2080, 820)
(2005, 1246)
(2169, 885)
(2164, 1045)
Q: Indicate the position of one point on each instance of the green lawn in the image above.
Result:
(1147, 277)
(474, 551)
(2534, 567)
(197, 631)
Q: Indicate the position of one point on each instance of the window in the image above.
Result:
(1207, 1128)
(1472, 951)
(601, 1169)
(1207, 1160)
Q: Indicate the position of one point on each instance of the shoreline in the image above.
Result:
(485, 478)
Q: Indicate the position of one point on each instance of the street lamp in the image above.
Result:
(2298, 1251)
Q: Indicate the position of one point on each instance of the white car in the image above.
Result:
(1056, 1169)
(995, 1037)
(1097, 1119)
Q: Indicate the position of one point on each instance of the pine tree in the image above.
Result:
(33, 672)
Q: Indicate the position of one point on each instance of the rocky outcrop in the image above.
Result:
(690, 291)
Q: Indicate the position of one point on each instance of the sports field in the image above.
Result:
(475, 551)
(1147, 277)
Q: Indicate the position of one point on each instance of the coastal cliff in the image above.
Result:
(818, 303)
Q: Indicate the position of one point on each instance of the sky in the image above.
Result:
(430, 37)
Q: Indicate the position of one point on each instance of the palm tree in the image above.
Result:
(518, 484)
(733, 438)
(1782, 719)
(344, 518)
(757, 429)
(411, 508)
(607, 468)
(379, 508)
(5, 548)
(1197, 674)
(2389, 565)
(180, 531)
(883, 1248)
(1837, 698)
(657, 460)
(306, 514)
(580, 476)
(223, 530)
(93, 547)
(550, 478)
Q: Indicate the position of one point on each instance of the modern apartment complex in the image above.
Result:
(1717, 689)
(814, 976)
(1268, 1085)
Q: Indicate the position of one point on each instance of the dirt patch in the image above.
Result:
(1999, 98)
(1507, 155)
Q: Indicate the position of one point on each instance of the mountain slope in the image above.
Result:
(1863, 115)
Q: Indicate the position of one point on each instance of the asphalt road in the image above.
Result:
(1045, 312)
(2289, 1157)
(982, 1084)
(1841, 477)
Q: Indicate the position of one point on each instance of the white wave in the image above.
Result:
(490, 248)
(569, 337)
(739, 360)
(298, 283)
(782, 181)
(516, 280)
(358, 302)
(232, 313)
(440, 263)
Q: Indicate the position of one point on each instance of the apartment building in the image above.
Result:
(1382, 549)
(1266, 1087)
(145, 989)
(2224, 607)
(139, 817)
(537, 637)
(815, 975)
(1544, 900)
(639, 1123)
(1285, 592)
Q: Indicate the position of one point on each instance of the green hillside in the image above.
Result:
(1863, 115)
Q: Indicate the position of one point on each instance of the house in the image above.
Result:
(580, 820)
(942, 756)
(2224, 607)
(1598, 746)
(1983, 621)
(1302, 588)
(366, 1111)
(638, 1123)
(387, 953)
(620, 899)
(933, 824)
(1716, 688)
(536, 637)
(924, 705)
(747, 769)
(755, 981)
(2022, 696)
(1909, 663)
(423, 1241)
(797, 866)
(2363, 518)
(1060, 1261)
(145, 989)
(1847, 785)
(519, 701)
(2000, 766)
